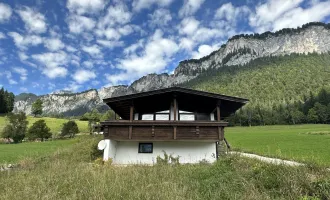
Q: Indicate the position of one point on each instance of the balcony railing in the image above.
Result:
(145, 130)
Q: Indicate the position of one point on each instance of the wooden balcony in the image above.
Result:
(138, 130)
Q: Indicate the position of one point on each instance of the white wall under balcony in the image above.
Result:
(126, 152)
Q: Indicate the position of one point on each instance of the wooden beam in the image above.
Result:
(153, 131)
(174, 132)
(174, 108)
(130, 132)
(131, 113)
(218, 111)
(221, 133)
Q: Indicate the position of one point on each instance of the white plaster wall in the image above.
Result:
(110, 149)
(189, 152)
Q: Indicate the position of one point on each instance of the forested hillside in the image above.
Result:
(275, 86)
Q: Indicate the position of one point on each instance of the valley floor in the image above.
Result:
(70, 174)
(307, 143)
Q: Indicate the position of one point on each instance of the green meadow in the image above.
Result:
(69, 173)
(305, 143)
(55, 124)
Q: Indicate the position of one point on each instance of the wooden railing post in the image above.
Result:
(174, 108)
(130, 128)
(218, 111)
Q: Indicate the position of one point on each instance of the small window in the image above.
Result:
(148, 117)
(145, 147)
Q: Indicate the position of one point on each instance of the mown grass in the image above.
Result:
(69, 174)
(54, 124)
(289, 142)
(12, 153)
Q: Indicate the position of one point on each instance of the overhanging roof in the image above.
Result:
(188, 100)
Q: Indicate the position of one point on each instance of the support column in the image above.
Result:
(131, 115)
(175, 107)
(218, 111)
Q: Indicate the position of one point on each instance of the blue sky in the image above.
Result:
(46, 46)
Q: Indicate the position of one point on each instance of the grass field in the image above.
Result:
(70, 174)
(54, 124)
(12, 153)
(289, 142)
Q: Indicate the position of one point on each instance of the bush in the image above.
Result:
(39, 130)
(94, 152)
(17, 127)
(69, 129)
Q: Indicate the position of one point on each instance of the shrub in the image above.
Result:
(39, 130)
(69, 129)
(94, 152)
(168, 159)
(17, 127)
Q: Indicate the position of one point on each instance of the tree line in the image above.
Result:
(312, 109)
(6, 101)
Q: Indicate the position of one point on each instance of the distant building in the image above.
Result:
(182, 122)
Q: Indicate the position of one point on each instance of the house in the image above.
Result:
(182, 122)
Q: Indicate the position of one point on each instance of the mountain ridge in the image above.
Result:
(239, 50)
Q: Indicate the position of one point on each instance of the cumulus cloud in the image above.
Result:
(82, 76)
(85, 6)
(142, 4)
(53, 63)
(34, 21)
(277, 14)
(160, 17)
(190, 7)
(110, 44)
(5, 12)
(204, 50)
(116, 14)
(94, 50)
(78, 24)
(21, 71)
(23, 42)
(189, 26)
(9, 77)
(2, 36)
(155, 56)
(54, 44)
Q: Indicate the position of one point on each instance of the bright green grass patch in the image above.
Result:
(54, 124)
(12, 153)
(283, 142)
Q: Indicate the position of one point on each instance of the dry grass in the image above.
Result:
(69, 174)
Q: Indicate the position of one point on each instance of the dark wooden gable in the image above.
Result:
(187, 99)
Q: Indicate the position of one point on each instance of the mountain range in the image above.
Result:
(240, 50)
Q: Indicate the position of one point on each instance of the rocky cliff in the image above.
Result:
(239, 50)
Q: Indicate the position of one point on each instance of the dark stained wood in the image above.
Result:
(163, 123)
(174, 108)
(131, 113)
(221, 133)
(130, 128)
(174, 132)
(218, 112)
(158, 100)
(153, 131)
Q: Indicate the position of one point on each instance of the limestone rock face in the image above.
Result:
(237, 51)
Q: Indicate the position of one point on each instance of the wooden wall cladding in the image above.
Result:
(163, 133)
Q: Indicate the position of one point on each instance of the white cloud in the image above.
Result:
(88, 64)
(70, 48)
(11, 81)
(110, 44)
(112, 33)
(54, 44)
(34, 21)
(204, 50)
(230, 14)
(277, 14)
(2, 36)
(21, 71)
(85, 6)
(154, 58)
(141, 4)
(55, 72)
(23, 42)
(82, 76)
(161, 17)
(117, 14)
(23, 89)
(78, 24)
(53, 63)
(94, 50)
(189, 26)
(190, 7)
(22, 56)
(134, 47)
(5, 12)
